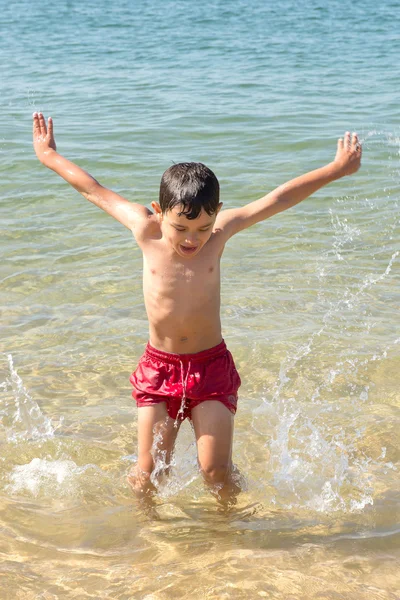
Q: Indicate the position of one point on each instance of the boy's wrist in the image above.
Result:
(48, 157)
(336, 170)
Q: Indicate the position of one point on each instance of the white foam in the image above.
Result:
(41, 477)
(23, 413)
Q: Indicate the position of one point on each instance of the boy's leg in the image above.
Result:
(157, 433)
(213, 424)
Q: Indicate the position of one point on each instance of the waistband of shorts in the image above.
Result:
(218, 350)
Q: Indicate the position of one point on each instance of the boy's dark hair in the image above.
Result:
(192, 185)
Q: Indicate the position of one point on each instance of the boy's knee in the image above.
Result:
(215, 473)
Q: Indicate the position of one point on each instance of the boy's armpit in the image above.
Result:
(230, 221)
(233, 220)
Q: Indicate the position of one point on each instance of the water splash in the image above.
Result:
(21, 416)
(316, 458)
(182, 469)
(51, 479)
(27, 430)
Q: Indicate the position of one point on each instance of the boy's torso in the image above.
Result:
(182, 296)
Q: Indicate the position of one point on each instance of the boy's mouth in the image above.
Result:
(187, 249)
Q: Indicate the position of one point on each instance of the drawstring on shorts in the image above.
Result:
(184, 380)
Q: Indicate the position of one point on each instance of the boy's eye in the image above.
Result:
(183, 228)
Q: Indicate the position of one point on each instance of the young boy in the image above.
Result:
(186, 369)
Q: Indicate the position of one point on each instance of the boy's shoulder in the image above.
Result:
(146, 226)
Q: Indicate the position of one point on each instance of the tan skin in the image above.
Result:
(181, 260)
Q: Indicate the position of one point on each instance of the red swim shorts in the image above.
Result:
(185, 380)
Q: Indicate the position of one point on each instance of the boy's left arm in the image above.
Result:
(347, 161)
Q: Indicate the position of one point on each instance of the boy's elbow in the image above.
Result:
(92, 191)
(94, 186)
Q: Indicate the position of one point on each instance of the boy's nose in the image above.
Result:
(191, 239)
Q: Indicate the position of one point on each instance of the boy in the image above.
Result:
(186, 370)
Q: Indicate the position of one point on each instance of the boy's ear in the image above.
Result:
(219, 207)
(157, 209)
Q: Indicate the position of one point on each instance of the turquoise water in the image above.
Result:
(260, 92)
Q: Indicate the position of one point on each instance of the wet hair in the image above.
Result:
(190, 185)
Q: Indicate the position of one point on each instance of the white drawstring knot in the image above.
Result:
(184, 381)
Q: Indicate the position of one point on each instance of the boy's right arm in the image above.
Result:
(129, 214)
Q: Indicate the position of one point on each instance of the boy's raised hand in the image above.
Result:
(43, 138)
(348, 154)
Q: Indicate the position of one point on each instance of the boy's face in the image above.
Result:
(186, 236)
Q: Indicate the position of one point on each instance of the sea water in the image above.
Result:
(260, 92)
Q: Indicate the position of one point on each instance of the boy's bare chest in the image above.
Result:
(165, 274)
(182, 299)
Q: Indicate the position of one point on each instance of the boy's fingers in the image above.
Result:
(347, 139)
(50, 127)
(42, 123)
(356, 143)
(36, 126)
(340, 144)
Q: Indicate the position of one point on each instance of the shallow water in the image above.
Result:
(260, 92)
